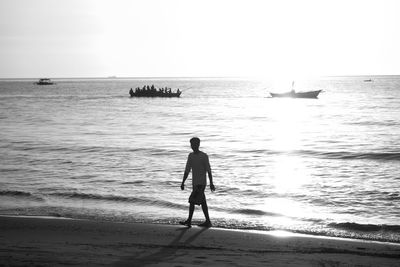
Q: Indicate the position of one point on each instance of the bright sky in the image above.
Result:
(95, 38)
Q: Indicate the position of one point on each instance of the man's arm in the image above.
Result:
(185, 176)
(208, 168)
(186, 173)
(212, 187)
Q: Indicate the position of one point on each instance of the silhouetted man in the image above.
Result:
(199, 164)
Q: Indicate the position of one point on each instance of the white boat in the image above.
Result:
(294, 94)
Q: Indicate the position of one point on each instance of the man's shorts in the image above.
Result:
(197, 196)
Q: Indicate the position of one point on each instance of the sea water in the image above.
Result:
(82, 148)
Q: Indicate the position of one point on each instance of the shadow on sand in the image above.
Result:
(165, 252)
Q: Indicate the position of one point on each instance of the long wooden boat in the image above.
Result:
(155, 94)
(293, 94)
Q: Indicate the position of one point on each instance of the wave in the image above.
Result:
(157, 151)
(44, 147)
(96, 196)
(393, 196)
(375, 123)
(146, 201)
(9, 170)
(133, 182)
(86, 196)
(354, 155)
(155, 202)
(14, 193)
(365, 227)
(327, 154)
(255, 212)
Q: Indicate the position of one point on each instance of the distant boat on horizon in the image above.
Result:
(44, 81)
(368, 80)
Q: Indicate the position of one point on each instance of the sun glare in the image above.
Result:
(287, 117)
(289, 172)
(287, 207)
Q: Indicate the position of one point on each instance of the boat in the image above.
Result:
(44, 81)
(293, 94)
(153, 92)
(368, 80)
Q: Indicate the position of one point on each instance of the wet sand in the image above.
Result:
(54, 242)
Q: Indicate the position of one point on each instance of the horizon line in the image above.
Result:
(183, 77)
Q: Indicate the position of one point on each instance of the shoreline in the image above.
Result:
(54, 241)
(284, 232)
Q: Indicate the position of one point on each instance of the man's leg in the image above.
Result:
(188, 222)
(205, 211)
(191, 211)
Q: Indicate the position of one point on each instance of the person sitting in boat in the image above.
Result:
(178, 91)
(131, 92)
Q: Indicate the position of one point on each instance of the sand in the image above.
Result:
(55, 242)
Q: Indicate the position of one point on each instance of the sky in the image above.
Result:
(208, 38)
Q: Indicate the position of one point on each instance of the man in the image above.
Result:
(199, 164)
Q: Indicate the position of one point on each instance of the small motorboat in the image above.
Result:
(44, 81)
(368, 81)
(293, 94)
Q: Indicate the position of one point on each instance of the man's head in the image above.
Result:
(195, 143)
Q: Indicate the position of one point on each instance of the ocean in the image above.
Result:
(82, 148)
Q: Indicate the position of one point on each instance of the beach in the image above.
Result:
(45, 241)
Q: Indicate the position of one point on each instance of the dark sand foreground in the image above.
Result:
(51, 242)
